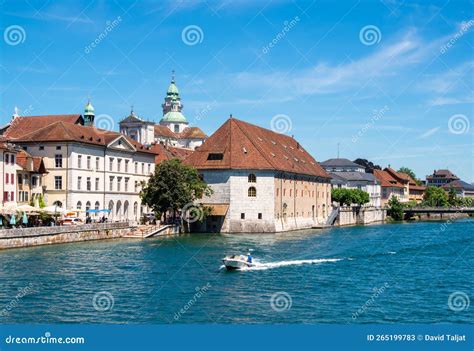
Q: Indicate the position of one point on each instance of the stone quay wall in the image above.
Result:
(25, 237)
(360, 215)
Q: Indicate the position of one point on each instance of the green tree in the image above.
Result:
(411, 173)
(395, 209)
(435, 197)
(173, 186)
(452, 197)
(348, 197)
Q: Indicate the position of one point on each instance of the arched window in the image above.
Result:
(97, 205)
(88, 206)
(252, 192)
(252, 178)
(79, 205)
(58, 203)
(135, 209)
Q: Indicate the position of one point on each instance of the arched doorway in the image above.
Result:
(125, 210)
(111, 209)
(135, 210)
(118, 210)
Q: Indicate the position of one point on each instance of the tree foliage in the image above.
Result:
(458, 201)
(348, 197)
(435, 197)
(395, 209)
(172, 186)
(411, 173)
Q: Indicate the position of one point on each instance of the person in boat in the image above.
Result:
(249, 258)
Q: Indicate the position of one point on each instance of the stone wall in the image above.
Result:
(360, 215)
(24, 237)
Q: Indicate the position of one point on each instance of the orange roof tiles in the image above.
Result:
(241, 145)
(23, 125)
(386, 179)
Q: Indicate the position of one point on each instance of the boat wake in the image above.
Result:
(258, 266)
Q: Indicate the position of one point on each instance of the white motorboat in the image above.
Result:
(236, 262)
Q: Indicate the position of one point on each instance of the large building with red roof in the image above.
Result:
(262, 181)
(87, 169)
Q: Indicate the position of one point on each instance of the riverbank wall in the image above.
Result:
(356, 215)
(25, 237)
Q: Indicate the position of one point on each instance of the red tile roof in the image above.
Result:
(401, 177)
(37, 165)
(386, 179)
(63, 131)
(442, 173)
(246, 146)
(24, 125)
(164, 153)
(187, 133)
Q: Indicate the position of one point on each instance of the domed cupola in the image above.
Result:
(89, 114)
(172, 115)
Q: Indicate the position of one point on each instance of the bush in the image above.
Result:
(395, 209)
(348, 197)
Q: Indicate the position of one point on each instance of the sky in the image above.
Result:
(390, 81)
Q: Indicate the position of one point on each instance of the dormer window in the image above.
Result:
(252, 178)
(215, 156)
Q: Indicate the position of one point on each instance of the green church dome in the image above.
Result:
(172, 89)
(89, 109)
(174, 116)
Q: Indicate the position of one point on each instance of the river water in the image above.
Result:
(393, 273)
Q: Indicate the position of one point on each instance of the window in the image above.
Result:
(79, 181)
(126, 183)
(7, 179)
(143, 168)
(252, 192)
(41, 147)
(58, 182)
(89, 162)
(88, 184)
(252, 178)
(12, 178)
(12, 196)
(149, 168)
(97, 205)
(136, 167)
(25, 148)
(111, 164)
(126, 166)
(58, 147)
(97, 163)
(58, 161)
(34, 181)
(88, 206)
(242, 216)
(20, 179)
(119, 183)
(119, 165)
(13, 159)
(111, 184)
(79, 161)
(215, 156)
(79, 205)
(259, 216)
(136, 186)
(96, 184)
(7, 158)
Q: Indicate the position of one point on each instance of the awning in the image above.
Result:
(218, 209)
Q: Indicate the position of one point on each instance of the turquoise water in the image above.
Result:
(394, 273)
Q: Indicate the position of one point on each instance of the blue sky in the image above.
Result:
(390, 81)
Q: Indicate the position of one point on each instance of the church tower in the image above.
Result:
(173, 118)
(89, 114)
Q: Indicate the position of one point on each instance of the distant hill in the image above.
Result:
(369, 166)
